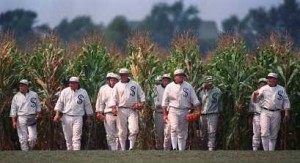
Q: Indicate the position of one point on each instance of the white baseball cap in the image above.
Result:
(124, 71)
(112, 75)
(179, 72)
(272, 75)
(262, 80)
(158, 78)
(24, 81)
(74, 79)
(208, 79)
(166, 76)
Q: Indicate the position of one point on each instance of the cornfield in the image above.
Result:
(234, 67)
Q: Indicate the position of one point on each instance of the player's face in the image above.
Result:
(124, 77)
(179, 78)
(74, 85)
(165, 81)
(112, 82)
(261, 84)
(23, 88)
(272, 81)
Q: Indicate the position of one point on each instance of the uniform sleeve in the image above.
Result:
(286, 101)
(194, 98)
(87, 105)
(60, 102)
(100, 105)
(141, 94)
(38, 102)
(165, 98)
(14, 107)
(251, 104)
(220, 104)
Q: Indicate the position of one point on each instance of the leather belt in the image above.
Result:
(124, 107)
(209, 113)
(271, 109)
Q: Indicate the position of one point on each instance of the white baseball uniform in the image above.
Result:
(179, 98)
(162, 130)
(273, 99)
(110, 122)
(73, 105)
(210, 105)
(256, 110)
(124, 96)
(25, 106)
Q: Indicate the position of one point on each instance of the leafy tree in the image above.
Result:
(117, 32)
(76, 29)
(166, 21)
(259, 22)
(19, 21)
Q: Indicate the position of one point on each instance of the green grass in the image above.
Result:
(146, 156)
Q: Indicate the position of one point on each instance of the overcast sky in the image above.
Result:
(103, 11)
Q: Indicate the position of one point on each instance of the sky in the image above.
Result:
(52, 12)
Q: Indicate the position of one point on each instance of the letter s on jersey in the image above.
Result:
(280, 95)
(80, 99)
(132, 90)
(185, 92)
(33, 102)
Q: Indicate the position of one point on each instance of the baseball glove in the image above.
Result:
(138, 106)
(191, 117)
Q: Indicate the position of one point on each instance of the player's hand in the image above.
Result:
(165, 118)
(100, 116)
(255, 93)
(56, 118)
(114, 111)
(14, 124)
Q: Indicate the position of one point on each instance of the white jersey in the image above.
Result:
(103, 97)
(159, 92)
(179, 96)
(273, 98)
(126, 94)
(74, 103)
(209, 100)
(25, 104)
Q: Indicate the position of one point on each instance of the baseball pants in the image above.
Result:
(256, 132)
(270, 125)
(179, 127)
(159, 129)
(208, 129)
(27, 134)
(127, 120)
(111, 129)
(167, 136)
(72, 128)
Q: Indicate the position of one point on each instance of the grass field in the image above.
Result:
(148, 156)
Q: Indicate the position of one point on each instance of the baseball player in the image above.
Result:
(255, 109)
(162, 135)
(73, 103)
(104, 113)
(209, 98)
(179, 96)
(273, 99)
(124, 95)
(25, 109)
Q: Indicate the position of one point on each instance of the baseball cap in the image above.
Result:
(166, 76)
(123, 71)
(158, 78)
(24, 81)
(262, 80)
(208, 79)
(179, 72)
(272, 75)
(112, 75)
(74, 79)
